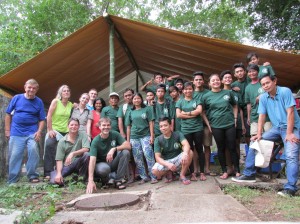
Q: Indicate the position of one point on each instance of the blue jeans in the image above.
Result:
(142, 147)
(17, 146)
(291, 151)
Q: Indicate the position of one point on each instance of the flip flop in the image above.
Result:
(120, 186)
(34, 180)
(185, 181)
(193, 177)
(154, 181)
(202, 177)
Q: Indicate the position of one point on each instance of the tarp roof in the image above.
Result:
(82, 59)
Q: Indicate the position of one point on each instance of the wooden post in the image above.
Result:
(112, 58)
(4, 101)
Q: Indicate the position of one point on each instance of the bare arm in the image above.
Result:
(91, 186)
(51, 110)
(290, 136)
(74, 154)
(7, 125)
(59, 178)
(146, 84)
(128, 132)
(38, 134)
(121, 127)
(248, 113)
(152, 136)
(186, 115)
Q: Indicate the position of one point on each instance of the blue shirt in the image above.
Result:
(27, 113)
(277, 107)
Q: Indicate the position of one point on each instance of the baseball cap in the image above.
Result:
(114, 94)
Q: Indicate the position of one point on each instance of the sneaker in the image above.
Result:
(286, 193)
(244, 179)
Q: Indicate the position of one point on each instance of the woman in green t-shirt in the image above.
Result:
(140, 131)
(189, 110)
(221, 110)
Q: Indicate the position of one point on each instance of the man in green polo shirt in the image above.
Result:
(172, 153)
(72, 154)
(109, 153)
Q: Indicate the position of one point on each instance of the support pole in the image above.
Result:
(112, 58)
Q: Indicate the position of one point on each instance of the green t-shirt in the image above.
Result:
(242, 86)
(123, 113)
(165, 109)
(111, 113)
(239, 102)
(251, 93)
(64, 147)
(139, 122)
(170, 147)
(265, 70)
(100, 146)
(198, 94)
(177, 121)
(193, 124)
(218, 106)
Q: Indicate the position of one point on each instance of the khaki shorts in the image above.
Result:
(254, 126)
(207, 137)
(176, 161)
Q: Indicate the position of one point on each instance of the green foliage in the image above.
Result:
(275, 21)
(243, 194)
(37, 202)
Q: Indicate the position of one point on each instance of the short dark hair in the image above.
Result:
(178, 80)
(161, 86)
(164, 119)
(199, 73)
(253, 66)
(186, 84)
(172, 88)
(158, 73)
(239, 65)
(250, 55)
(128, 89)
(225, 72)
(272, 77)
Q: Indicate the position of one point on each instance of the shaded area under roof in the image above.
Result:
(81, 60)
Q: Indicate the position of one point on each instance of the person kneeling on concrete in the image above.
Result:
(109, 153)
(72, 154)
(168, 149)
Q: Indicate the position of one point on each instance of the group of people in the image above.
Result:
(167, 135)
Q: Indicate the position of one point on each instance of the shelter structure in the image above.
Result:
(82, 60)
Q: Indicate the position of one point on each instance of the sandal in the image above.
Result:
(154, 181)
(224, 176)
(34, 180)
(193, 177)
(143, 181)
(120, 186)
(185, 181)
(202, 177)
(46, 179)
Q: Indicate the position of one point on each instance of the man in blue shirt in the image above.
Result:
(279, 103)
(24, 122)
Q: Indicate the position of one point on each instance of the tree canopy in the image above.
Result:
(28, 27)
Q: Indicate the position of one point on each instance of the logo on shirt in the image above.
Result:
(226, 97)
(236, 99)
(144, 115)
(113, 143)
(177, 145)
(260, 90)
(194, 105)
(264, 71)
(166, 112)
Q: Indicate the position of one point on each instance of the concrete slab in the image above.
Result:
(9, 217)
(171, 203)
(107, 201)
